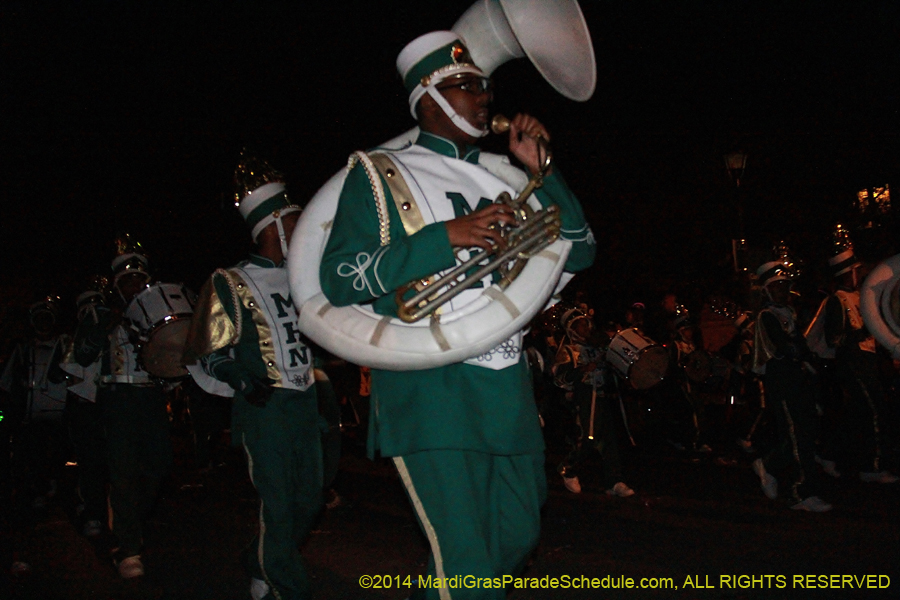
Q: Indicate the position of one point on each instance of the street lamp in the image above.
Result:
(736, 162)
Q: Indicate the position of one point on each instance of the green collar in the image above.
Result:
(445, 147)
(262, 261)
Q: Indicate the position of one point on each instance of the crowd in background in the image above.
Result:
(689, 388)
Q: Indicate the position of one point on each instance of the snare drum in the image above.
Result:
(162, 313)
(637, 358)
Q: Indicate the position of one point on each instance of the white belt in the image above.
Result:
(129, 379)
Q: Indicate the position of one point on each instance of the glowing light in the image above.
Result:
(876, 200)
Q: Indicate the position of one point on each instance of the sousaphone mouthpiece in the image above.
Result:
(499, 124)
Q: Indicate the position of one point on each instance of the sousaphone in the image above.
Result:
(554, 36)
(879, 303)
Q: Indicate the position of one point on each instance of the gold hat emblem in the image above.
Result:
(459, 54)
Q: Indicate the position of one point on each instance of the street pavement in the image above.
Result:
(697, 527)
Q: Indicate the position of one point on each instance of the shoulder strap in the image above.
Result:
(410, 215)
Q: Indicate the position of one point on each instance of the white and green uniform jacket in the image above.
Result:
(116, 350)
(32, 375)
(484, 404)
(249, 323)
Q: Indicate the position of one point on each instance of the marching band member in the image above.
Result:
(781, 356)
(133, 406)
(685, 343)
(855, 362)
(745, 383)
(580, 368)
(244, 333)
(465, 438)
(86, 419)
(37, 387)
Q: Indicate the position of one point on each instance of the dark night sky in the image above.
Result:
(129, 116)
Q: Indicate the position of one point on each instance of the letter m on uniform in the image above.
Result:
(281, 303)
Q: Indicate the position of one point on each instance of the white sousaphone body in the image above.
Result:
(556, 39)
(879, 303)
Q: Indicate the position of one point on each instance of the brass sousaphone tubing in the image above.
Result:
(532, 232)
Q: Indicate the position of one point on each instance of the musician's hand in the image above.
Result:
(475, 230)
(255, 390)
(523, 133)
(259, 395)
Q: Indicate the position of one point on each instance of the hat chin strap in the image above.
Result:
(282, 237)
(457, 119)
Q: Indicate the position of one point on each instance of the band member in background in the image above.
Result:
(634, 316)
(685, 348)
(209, 416)
(133, 407)
(85, 419)
(465, 438)
(856, 363)
(781, 356)
(580, 368)
(744, 382)
(244, 333)
(37, 389)
(659, 320)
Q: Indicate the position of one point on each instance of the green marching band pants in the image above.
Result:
(284, 456)
(480, 513)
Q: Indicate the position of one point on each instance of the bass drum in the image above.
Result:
(637, 358)
(162, 313)
(361, 336)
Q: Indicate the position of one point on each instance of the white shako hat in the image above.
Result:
(772, 271)
(130, 258)
(570, 316)
(430, 59)
(844, 260)
(784, 268)
(260, 194)
(50, 305)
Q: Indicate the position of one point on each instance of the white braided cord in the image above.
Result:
(377, 191)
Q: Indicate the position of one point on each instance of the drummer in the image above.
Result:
(581, 370)
(132, 405)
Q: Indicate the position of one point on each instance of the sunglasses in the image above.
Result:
(475, 86)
